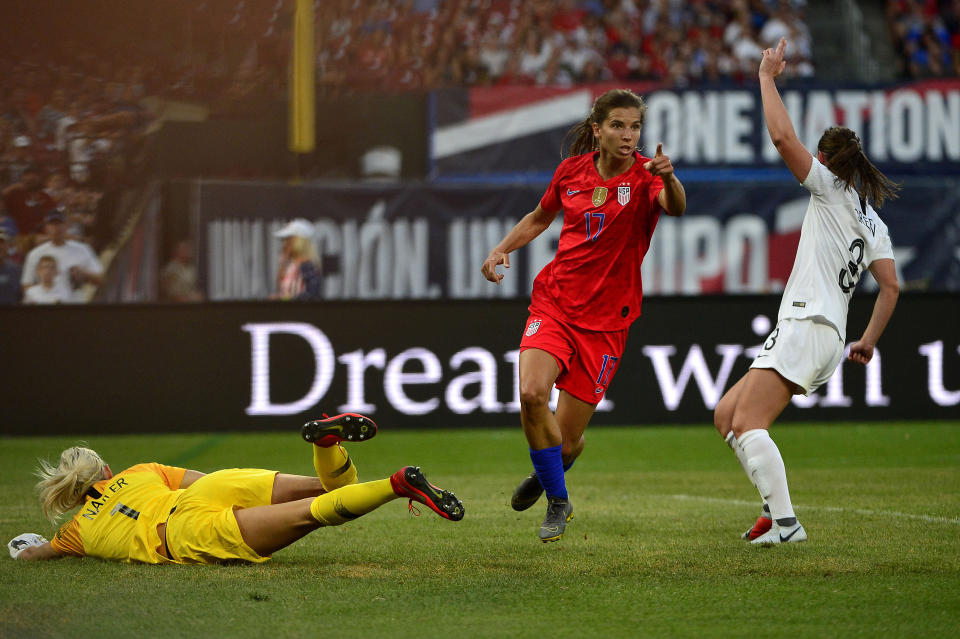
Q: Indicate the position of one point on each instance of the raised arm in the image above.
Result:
(782, 134)
(672, 198)
(530, 226)
(885, 273)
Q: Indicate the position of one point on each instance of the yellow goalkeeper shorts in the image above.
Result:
(203, 529)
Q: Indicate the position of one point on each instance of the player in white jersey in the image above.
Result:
(841, 237)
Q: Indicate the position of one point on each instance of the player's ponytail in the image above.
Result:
(582, 132)
(583, 140)
(63, 486)
(845, 158)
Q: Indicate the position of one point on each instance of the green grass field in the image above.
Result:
(654, 549)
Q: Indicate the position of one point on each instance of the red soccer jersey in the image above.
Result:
(594, 279)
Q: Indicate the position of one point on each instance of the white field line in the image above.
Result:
(513, 123)
(834, 509)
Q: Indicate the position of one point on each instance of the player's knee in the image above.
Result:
(723, 417)
(739, 424)
(533, 396)
(571, 450)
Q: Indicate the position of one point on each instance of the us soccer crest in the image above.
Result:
(599, 195)
(623, 194)
(533, 327)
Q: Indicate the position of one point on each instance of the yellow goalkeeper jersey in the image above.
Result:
(119, 518)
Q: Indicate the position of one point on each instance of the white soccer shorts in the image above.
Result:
(804, 351)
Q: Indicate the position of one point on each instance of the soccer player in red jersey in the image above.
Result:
(584, 300)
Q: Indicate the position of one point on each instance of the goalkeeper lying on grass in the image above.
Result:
(154, 514)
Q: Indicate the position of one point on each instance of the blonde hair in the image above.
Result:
(303, 247)
(63, 486)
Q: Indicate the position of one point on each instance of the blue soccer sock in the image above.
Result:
(566, 467)
(549, 466)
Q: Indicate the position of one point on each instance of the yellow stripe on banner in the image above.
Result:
(302, 82)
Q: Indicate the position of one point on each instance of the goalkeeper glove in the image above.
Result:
(21, 542)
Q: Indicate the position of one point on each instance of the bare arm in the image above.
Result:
(37, 553)
(530, 226)
(672, 198)
(885, 273)
(189, 477)
(85, 276)
(794, 154)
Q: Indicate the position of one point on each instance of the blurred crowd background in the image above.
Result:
(84, 84)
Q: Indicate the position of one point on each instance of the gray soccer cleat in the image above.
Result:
(527, 493)
(559, 512)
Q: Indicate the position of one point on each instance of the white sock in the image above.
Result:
(765, 467)
(731, 440)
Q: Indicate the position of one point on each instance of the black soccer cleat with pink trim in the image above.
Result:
(348, 427)
(409, 482)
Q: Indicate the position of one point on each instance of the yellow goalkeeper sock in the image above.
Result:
(348, 503)
(334, 467)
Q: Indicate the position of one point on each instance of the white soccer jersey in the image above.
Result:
(838, 242)
(56, 294)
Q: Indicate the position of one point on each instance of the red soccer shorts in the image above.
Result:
(588, 360)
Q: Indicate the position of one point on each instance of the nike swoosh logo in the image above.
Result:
(792, 533)
(569, 192)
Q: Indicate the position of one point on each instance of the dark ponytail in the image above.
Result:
(845, 158)
(583, 140)
(582, 132)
